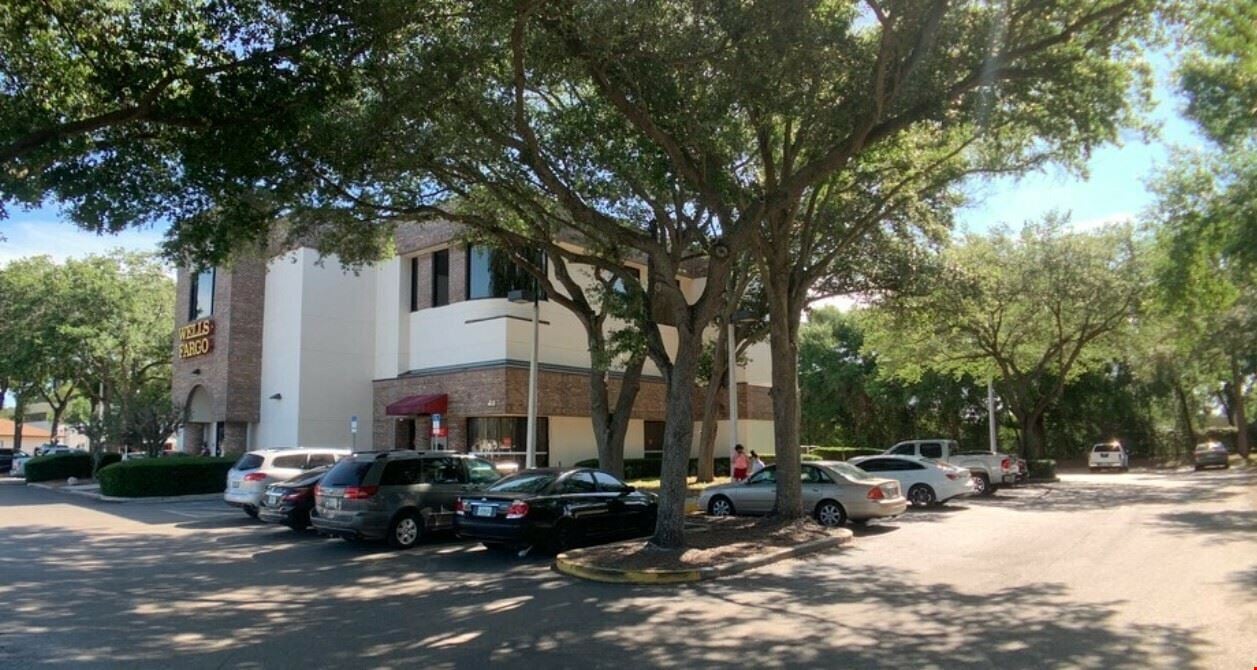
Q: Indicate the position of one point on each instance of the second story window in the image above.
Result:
(440, 277)
(414, 284)
(201, 300)
(492, 274)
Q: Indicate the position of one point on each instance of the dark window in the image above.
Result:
(249, 462)
(577, 482)
(414, 284)
(814, 475)
(492, 274)
(608, 483)
(908, 465)
(876, 465)
(525, 482)
(480, 471)
(653, 438)
(402, 472)
(765, 477)
(349, 472)
(904, 450)
(932, 450)
(441, 278)
(506, 437)
(441, 471)
(294, 461)
(201, 300)
(319, 460)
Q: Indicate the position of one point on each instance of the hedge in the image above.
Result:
(148, 477)
(1045, 469)
(105, 459)
(843, 453)
(648, 468)
(59, 466)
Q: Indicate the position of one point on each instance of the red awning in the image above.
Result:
(432, 403)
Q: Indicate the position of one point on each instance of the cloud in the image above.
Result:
(25, 236)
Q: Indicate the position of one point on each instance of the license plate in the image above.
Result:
(272, 500)
(486, 510)
(235, 485)
(331, 503)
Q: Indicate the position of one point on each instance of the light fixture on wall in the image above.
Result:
(277, 397)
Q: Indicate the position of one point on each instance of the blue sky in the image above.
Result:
(1114, 190)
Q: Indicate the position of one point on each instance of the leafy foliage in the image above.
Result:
(59, 466)
(149, 477)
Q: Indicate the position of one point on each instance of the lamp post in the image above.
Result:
(520, 297)
(740, 316)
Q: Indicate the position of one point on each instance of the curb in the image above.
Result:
(563, 563)
(116, 499)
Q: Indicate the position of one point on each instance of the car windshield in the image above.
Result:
(248, 462)
(851, 472)
(349, 472)
(1100, 448)
(524, 482)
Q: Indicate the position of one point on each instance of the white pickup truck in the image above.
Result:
(990, 470)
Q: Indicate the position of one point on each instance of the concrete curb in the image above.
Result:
(115, 499)
(571, 566)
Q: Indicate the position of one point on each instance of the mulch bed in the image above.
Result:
(710, 541)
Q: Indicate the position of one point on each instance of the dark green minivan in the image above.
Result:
(397, 495)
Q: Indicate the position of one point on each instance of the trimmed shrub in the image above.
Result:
(1045, 469)
(843, 453)
(147, 477)
(105, 459)
(59, 466)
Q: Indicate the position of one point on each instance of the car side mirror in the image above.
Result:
(627, 490)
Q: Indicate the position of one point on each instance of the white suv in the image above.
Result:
(248, 478)
(1108, 455)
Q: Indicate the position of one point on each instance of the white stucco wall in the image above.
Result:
(281, 353)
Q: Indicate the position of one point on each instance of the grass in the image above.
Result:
(691, 484)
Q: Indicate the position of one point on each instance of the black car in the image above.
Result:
(6, 460)
(289, 502)
(555, 509)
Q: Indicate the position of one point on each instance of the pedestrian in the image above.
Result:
(740, 463)
(757, 463)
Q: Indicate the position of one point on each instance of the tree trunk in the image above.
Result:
(711, 402)
(19, 408)
(1238, 409)
(1031, 433)
(611, 424)
(783, 330)
(1185, 416)
(678, 440)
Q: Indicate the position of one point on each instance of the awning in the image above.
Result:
(432, 403)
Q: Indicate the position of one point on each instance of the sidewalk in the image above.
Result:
(92, 490)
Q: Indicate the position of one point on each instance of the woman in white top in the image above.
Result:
(757, 463)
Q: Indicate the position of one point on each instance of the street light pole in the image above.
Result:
(530, 458)
(990, 412)
(733, 390)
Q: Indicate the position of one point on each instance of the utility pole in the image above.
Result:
(990, 412)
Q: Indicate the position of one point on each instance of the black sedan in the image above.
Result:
(555, 509)
(289, 502)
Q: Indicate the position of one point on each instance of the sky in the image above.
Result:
(1113, 190)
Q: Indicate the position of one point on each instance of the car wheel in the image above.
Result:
(300, 522)
(982, 485)
(830, 514)
(921, 495)
(405, 530)
(565, 536)
(251, 511)
(720, 506)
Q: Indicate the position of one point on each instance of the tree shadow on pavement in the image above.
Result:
(270, 598)
(1117, 491)
(1221, 525)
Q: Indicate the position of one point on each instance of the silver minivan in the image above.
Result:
(396, 495)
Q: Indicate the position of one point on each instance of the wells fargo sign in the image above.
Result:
(196, 339)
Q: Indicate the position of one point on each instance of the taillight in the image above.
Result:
(255, 477)
(360, 492)
(318, 490)
(517, 510)
(953, 475)
(1006, 464)
(876, 493)
(459, 507)
(298, 494)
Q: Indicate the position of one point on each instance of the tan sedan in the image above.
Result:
(834, 492)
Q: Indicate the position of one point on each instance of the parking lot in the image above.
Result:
(1136, 570)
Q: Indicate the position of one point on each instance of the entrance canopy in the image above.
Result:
(432, 403)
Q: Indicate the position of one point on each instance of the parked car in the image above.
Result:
(396, 495)
(6, 458)
(1108, 456)
(1211, 453)
(289, 502)
(990, 470)
(833, 491)
(556, 509)
(248, 478)
(927, 481)
(52, 448)
(17, 467)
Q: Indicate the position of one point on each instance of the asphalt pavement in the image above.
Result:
(1136, 570)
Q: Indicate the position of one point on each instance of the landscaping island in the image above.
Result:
(716, 546)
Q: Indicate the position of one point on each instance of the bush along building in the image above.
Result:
(423, 350)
